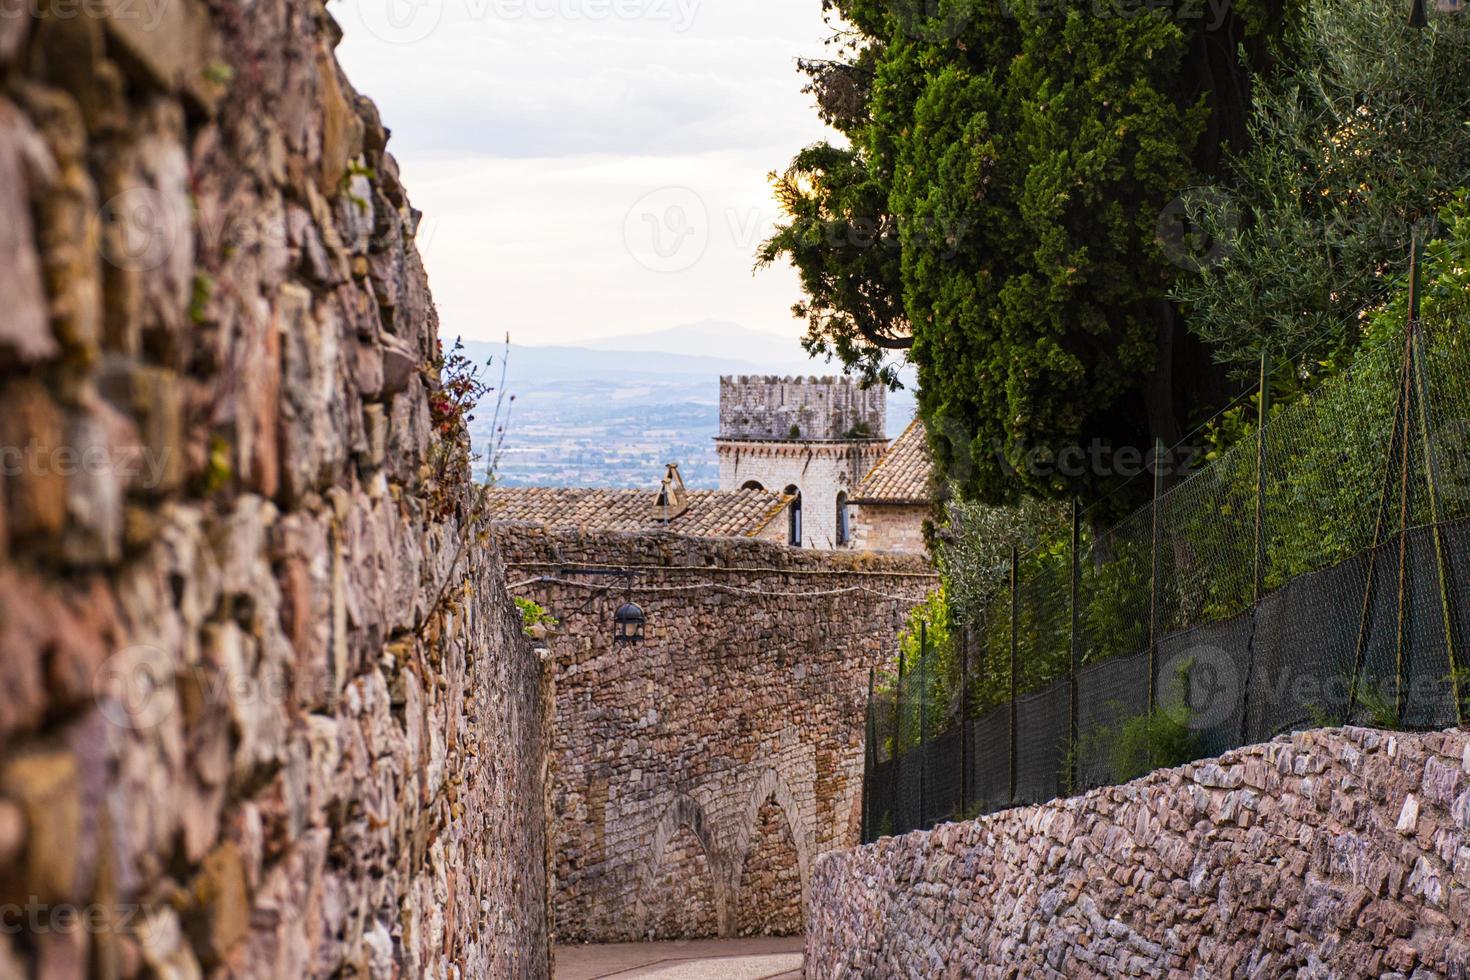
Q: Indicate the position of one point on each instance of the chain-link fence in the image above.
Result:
(1315, 573)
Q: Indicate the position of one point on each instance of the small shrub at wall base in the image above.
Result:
(1160, 740)
(1137, 746)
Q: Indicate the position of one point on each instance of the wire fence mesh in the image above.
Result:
(1314, 573)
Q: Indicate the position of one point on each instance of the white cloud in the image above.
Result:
(526, 140)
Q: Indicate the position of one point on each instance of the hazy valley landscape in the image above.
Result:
(611, 415)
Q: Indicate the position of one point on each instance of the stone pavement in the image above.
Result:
(712, 959)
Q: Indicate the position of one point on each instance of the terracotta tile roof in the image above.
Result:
(711, 513)
(901, 476)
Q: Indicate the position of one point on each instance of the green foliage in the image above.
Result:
(973, 549)
(1139, 744)
(1363, 137)
(456, 386)
(199, 297)
(931, 673)
(1160, 740)
(999, 205)
(1380, 706)
(534, 618)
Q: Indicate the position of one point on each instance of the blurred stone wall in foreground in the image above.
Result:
(255, 720)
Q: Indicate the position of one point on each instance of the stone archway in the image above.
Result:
(681, 895)
(680, 902)
(775, 844)
(769, 891)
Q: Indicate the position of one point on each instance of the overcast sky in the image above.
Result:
(591, 167)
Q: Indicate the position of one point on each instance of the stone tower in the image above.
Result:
(814, 437)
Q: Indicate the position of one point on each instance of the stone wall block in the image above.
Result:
(732, 702)
(47, 787)
(154, 399)
(62, 42)
(171, 47)
(341, 129)
(105, 460)
(33, 436)
(25, 331)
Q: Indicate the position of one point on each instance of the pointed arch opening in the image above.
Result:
(769, 895)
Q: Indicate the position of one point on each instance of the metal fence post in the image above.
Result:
(1431, 474)
(1401, 653)
(1154, 580)
(1365, 618)
(1263, 413)
(1015, 611)
(923, 722)
(1073, 773)
(898, 746)
(1258, 585)
(1401, 661)
(965, 721)
(870, 759)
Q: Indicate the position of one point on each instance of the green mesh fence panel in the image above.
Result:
(990, 761)
(1041, 744)
(1313, 574)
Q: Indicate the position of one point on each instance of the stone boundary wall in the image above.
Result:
(699, 776)
(1335, 853)
(240, 733)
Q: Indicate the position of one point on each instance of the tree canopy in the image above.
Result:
(997, 212)
(1362, 137)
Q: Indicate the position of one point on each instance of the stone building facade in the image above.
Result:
(894, 501)
(263, 714)
(1335, 853)
(700, 774)
(812, 438)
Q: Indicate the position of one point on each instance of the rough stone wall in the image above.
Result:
(1338, 853)
(890, 527)
(753, 407)
(240, 734)
(680, 763)
(819, 471)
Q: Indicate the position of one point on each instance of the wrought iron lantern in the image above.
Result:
(628, 623)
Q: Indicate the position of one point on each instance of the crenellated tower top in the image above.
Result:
(800, 409)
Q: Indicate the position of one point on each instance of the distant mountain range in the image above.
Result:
(613, 412)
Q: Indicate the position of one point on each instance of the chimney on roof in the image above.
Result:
(673, 499)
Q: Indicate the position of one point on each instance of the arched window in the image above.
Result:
(844, 533)
(793, 535)
(751, 485)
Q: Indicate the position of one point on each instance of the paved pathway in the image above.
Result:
(712, 959)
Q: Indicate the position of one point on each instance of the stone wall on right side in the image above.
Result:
(1332, 853)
